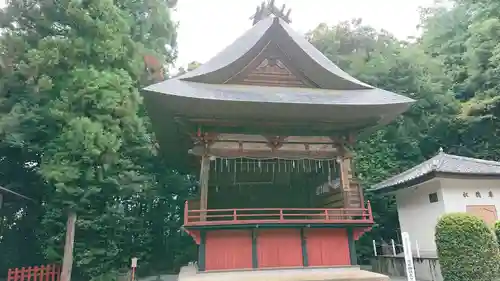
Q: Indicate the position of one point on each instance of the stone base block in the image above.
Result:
(189, 273)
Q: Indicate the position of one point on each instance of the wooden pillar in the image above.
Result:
(202, 253)
(350, 189)
(255, 258)
(303, 240)
(348, 165)
(344, 161)
(204, 175)
(67, 264)
(352, 247)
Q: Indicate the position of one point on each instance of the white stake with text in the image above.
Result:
(410, 269)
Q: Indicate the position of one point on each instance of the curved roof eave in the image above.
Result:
(200, 99)
(316, 66)
(319, 57)
(231, 53)
(285, 95)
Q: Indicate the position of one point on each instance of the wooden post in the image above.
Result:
(204, 175)
(67, 264)
(344, 179)
(350, 192)
(344, 162)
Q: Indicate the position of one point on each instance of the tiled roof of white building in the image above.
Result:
(442, 163)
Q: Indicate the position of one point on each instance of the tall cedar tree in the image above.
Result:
(70, 107)
(463, 35)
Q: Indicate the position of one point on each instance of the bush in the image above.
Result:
(497, 231)
(467, 249)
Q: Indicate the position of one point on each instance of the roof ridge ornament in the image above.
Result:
(267, 9)
(436, 162)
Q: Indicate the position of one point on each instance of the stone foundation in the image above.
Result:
(190, 273)
(426, 268)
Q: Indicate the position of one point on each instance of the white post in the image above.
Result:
(417, 248)
(374, 248)
(410, 270)
(393, 247)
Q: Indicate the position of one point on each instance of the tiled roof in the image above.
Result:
(336, 87)
(443, 163)
(267, 94)
(316, 64)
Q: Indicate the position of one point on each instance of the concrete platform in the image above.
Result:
(189, 273)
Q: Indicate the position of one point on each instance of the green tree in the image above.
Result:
(71, 117)
(444, 36)
(463, 36)
(378, 58)
(497, 231)
(467, 249)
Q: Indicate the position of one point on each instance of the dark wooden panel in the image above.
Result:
(272, 72)
(271, 67)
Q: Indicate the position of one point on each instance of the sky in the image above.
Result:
(208, 26)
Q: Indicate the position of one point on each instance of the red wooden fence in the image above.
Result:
(49, 272)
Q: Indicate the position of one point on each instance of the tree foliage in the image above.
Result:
(451, 70)
(75, 137)
(496, 229)
(380, 59)
(464, 37)
(74, 134)
(467, 249)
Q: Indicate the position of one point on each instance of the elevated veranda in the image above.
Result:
(244, 191)
(250, 171)
(268, 216)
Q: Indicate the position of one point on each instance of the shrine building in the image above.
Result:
(267, 124)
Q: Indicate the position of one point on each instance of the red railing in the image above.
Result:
(35, 273)
(275, 215)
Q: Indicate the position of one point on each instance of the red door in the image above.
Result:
(228, 249)
(327, 247)
(279, 248)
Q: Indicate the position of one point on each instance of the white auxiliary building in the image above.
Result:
(443, 184)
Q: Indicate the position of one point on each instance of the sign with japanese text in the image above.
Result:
(410, 269)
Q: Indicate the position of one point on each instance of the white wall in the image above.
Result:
(453, 189)
(418, 216)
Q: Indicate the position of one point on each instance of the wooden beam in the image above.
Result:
(204, 176)
(6, 190)
(274, 128)
(241, 152)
